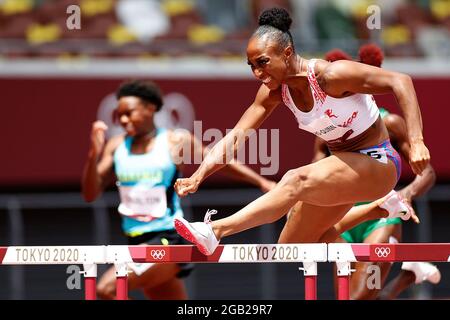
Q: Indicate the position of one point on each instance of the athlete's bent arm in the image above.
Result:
(98, 173)
(234, 169)
(397, 133)
(265, 102)
(341, 78)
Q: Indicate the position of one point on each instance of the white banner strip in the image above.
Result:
(316, 252)
(55, 255)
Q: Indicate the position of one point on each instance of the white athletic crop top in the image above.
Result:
(333, 119)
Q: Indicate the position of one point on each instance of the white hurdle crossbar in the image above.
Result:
(308, 254)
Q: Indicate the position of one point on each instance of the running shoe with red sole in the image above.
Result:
(199, 233)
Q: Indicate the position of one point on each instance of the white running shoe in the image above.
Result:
(424, 271)
(199, 233)
(396, 207)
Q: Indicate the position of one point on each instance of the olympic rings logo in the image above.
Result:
(382, 252)
(158, 254)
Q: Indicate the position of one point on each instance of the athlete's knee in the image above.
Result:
(296, 181)
(106, 291)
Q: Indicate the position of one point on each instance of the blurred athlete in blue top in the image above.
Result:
(145, 162)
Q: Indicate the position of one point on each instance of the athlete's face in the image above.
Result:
(135, 115)
(268, 61)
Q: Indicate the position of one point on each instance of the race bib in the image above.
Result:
(142, 202)
(378, 154)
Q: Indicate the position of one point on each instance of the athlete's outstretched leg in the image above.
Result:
(308, 222)
(390, 206)
(339, 180)
(336, 180)
(352, 218)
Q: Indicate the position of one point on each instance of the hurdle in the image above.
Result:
(343, 254)
(121, 255)
(308, 254)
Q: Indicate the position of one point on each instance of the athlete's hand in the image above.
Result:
(98, 137)
(406, 198)
(419, 157)
(185, 186)
(414, 216)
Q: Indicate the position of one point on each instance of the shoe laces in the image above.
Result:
(208, 215)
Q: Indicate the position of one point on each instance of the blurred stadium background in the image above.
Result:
(56, 81)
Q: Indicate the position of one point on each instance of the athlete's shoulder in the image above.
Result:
(334, 77)
(326, 72)
(330, 70)
(320, 66)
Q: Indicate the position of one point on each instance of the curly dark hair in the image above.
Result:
(148, 91)
(276, 22)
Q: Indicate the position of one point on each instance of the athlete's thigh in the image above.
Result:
(307, 222)
(349, 177)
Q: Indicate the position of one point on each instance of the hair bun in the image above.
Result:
(276, 17)
(371, 54)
